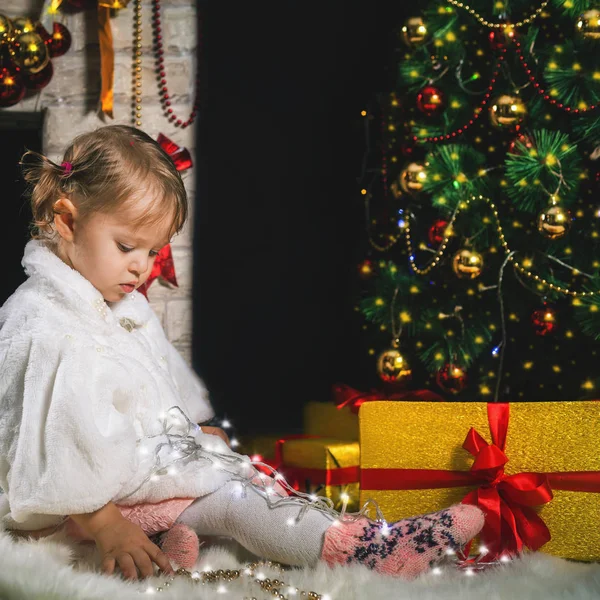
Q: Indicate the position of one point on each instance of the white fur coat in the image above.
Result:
(81, 389)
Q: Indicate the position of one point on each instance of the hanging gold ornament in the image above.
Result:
(114, 4)
(554, 222)
(392, 367)
(6, 30)
(588, 24)
(412, 177)
(467, 264)
(414, 32)
(22, 25)
(29, 52)
(507, 111)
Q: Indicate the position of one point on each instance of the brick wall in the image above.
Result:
(70, 103)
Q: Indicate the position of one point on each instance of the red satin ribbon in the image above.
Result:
(180, 156)
(344, 395)
(296, 475)
(507, 500)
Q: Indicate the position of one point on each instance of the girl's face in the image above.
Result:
(114, 257)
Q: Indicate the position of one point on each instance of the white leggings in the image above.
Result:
(262, 530)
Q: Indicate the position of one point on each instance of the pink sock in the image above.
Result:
(181, 545)
(408, 547)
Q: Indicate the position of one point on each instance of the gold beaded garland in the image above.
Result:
(273, 586)
(486, 23)
(137, 64)
(526, 272)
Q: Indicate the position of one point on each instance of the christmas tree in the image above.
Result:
(482, 271)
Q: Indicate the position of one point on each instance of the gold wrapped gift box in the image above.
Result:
(554, 438)
(326, 419)
(323, 466)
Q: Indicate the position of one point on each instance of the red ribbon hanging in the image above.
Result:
(180, 155)
(507, 500)
(163, 267)
(344, 395)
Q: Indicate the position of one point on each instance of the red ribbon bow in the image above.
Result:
(344, 395)
(178, 154)
(507, 500)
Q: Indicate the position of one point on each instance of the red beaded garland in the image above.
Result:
(163, 89)
(478, 112)
(542, 91)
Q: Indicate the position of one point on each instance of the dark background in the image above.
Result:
(279, 224)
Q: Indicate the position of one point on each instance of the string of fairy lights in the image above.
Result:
(178, 444)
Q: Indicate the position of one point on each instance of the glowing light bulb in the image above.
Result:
(222, 589)
(225, 424)
(483, 550)
(436, 571)
(291, 591)
(469, 572)
(291, 522)
(256, 458)
(260, 576)
(234, 443)
(450, 552)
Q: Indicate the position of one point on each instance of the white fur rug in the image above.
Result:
(51, 570)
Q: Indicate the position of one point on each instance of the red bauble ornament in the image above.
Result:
(366, 269)
(12, 88)
(61, 40)
(437, 232)
(544, 321)
(451, 378)
(43, 33)
(525, 140)
(430, 100)
(38, 81)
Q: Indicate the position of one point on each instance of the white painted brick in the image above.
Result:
(178, 30)
(179, 321)
(63, 123)
(18, 8)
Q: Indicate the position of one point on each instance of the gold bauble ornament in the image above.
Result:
(467, 264)
(412, 177)
(554, 222)
(6, 30)
(22, 25)
(414, 32)
(392, 367)
(115, 4)
(29, 52)
(507, 111)
(588, 24)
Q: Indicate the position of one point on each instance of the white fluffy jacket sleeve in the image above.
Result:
(67, 433)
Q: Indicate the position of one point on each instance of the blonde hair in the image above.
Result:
(105, 171)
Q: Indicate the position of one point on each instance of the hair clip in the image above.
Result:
(67, 168)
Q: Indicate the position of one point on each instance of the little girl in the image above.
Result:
(98, 411)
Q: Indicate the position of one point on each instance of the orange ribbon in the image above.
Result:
(107, 60)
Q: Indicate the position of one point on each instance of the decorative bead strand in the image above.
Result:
(486, 23)
(163, 89)
(441, 251)
(271, 586)
(136, 111)
(478, 112)
(542, 92)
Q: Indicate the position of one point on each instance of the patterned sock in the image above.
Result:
(181, 545)
(407, 547)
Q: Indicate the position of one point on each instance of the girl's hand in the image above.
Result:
(216, 431)
(125, 545)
